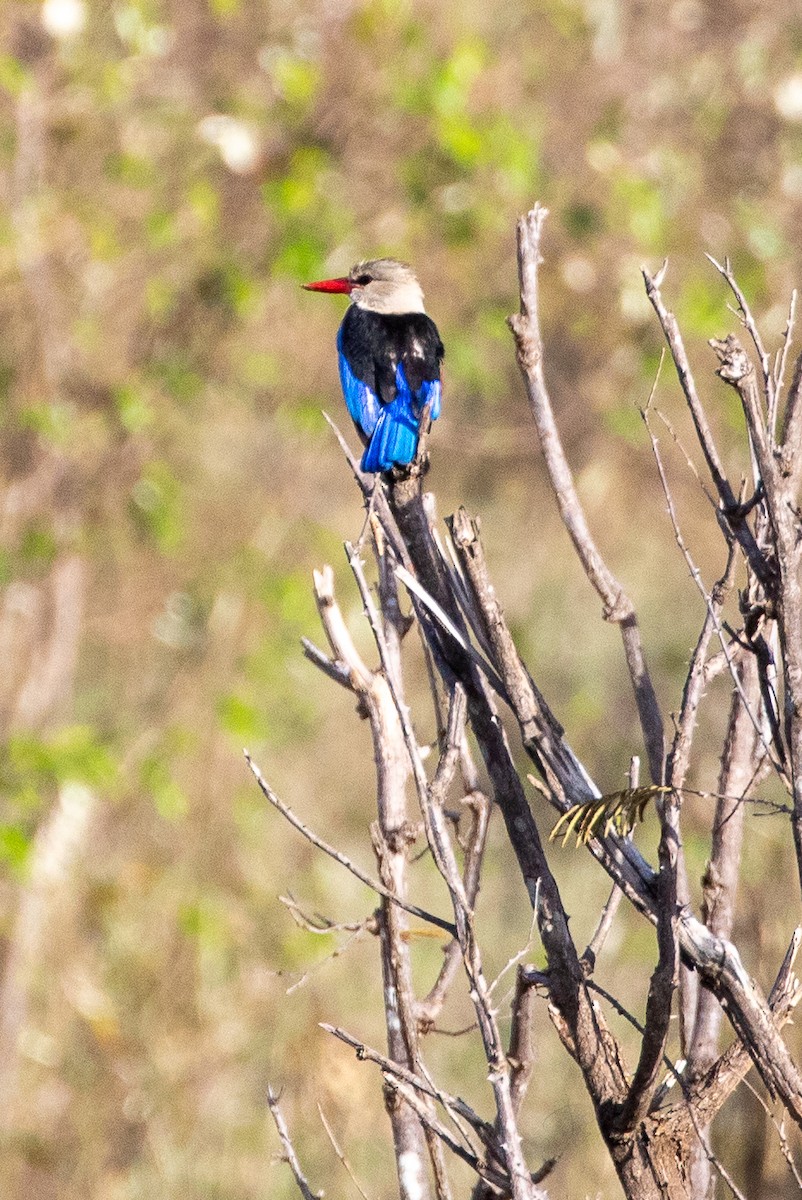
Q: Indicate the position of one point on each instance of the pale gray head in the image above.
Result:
(384, 285)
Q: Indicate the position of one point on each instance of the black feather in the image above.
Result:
(375, 343)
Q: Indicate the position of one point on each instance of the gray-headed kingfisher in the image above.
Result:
(390, 354)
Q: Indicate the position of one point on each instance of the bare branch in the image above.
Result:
(466, 601)
(605, 923)
(721, 874)
(784, 587)
(737, 369)
(341, 858)
(714, 601)
(745, 313)
(782, 359)
(479, 1165)
(443, 619)
(521, 1051)
(473, 850)
(791, 438)
(323, 925)
(708, 1092)
(338, 1151)
(430, 797)
(335, 670)
(664, 979)
(730, 509)
(289, 1155)
(679, 755)
(617, 605)
(452, 1104)
(395, 752)
(751, 1018)
(779, 1128)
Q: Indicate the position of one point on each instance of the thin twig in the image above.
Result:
(516, 958)
(335, 670)
(678, 758)
(372, 489)
(782, 359)
(783, 589)
(338, 952)
(452, 1104)
(289, 1155)
(664, 978)
(720, 879)
(730, 510)
(380, 693)
(473, 848)
(791, 436)
(708, 598)
(338, 1151)
(430, 797)
(713, 1159)
(618, 606)
(785, 1148)
(745, 314)
(341, 858)
(691, 465)
(479, 1165)
(320, 924)
(443, 619)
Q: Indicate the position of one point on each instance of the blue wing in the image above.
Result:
(395, 438)
(361, 401)
(392, 428)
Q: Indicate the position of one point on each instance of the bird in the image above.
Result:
(389, 354)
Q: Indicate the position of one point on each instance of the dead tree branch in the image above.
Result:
(617, 605)
(658, 1138)
(288, 1149)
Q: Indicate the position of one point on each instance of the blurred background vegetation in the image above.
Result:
(171, 171)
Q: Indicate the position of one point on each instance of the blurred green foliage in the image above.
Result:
(174, 169)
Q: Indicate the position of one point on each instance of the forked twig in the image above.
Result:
(452, 1104)
(744, 313)
(713, 605)
(341, 858)
(289, 1154)
(618, 606)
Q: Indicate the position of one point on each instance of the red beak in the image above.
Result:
(330, 285)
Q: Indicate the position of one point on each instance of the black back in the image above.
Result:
(375, 343)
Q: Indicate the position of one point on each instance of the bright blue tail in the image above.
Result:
(395, 438)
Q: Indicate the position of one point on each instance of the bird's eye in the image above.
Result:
(361, 280)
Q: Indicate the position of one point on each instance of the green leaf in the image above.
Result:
(130, 169)
(297, 79)
(72, 754)
(13, 75)
(169, 799)
(157, 506)
(15, 848)
(242, 719)
(38, 547)
(133, 408)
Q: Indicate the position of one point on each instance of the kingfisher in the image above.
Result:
(389, 353)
